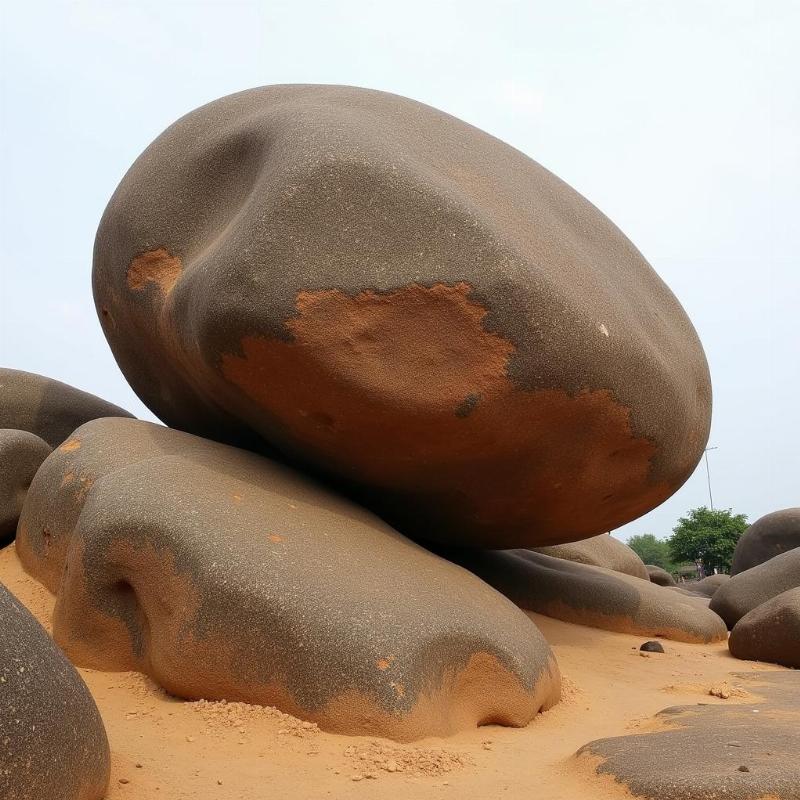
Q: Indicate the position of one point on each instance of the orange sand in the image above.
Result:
(167, 748)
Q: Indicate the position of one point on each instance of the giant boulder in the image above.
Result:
(47, 407)
(767, 537)
(381, 292)
(223, 575)
(53, 745)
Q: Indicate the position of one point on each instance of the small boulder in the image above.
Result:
(749, 589)
(53, 745)
(46, 407)
(593, 596)
(224, 575)
(599, 551)
(659, 575)
(707, 586)
(21, 454)
(770, 632)
(652, 647)
(766, 538)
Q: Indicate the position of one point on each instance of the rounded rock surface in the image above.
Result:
(46, 407)
(766, 538)
(593, 596)
(53, 745)
(224, 575)
(659, 575)
(380, 291)
(599, 551)
(770, 632)
(21, 454)
(749, 589)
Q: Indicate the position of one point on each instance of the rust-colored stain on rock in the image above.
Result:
(413, 376)
(70, 446)
(158, 267)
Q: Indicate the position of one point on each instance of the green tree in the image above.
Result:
(708, 537)
(651, 550)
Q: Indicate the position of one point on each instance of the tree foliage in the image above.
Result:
(708, 537)
(651, 550)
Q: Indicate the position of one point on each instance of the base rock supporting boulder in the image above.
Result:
(53, 745)
(223, 575)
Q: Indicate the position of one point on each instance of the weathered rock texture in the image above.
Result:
(381, 291)
(699, 754)
(600, 551)
(749, 589)
(53, 744)
(48, 408)
(766, 538)
(593, 596)
(770, 632)
(224, 575)
(659, 575)
(21, 454)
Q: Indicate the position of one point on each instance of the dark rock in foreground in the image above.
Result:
(223, 575)
(21, 454)
(701, 754)
(382, 291)
(53, 744)
(46, 407)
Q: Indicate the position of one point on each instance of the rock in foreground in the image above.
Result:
(593, 596)
(53, 744)
(223, 575)
(381, 291)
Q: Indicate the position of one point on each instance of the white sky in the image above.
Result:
(679, 119)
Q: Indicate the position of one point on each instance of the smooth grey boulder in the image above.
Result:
(53, 744)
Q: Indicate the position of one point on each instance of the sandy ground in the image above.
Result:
(168, 748)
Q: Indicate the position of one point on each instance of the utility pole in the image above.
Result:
(708, 475)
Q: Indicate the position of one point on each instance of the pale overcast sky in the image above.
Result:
(679, 119)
